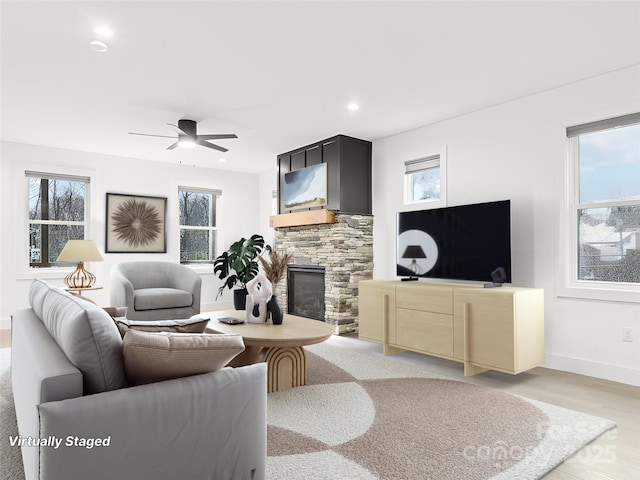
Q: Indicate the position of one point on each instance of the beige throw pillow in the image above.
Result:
(189, 325)
(156, 356)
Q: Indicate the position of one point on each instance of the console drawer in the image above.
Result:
(424, 331)
(414, 296)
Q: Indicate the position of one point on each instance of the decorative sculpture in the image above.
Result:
(262, 310)
(260, 288)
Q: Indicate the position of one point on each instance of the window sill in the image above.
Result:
(200, 269)
(46, 273)
(426, 204)
(602, 292)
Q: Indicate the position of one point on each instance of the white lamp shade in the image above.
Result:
(80, 251)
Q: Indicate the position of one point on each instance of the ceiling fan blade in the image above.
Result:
(173, 145)
(217, 136)
(204, 143)
(179, 131)
(150, 135)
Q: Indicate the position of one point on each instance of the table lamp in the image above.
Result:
(414, 251)
(80, 251)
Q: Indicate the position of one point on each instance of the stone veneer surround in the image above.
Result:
(345, 250)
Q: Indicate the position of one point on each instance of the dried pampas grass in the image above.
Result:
(274, 270)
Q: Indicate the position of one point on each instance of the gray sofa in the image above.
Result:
(155, 290)
(69, 387)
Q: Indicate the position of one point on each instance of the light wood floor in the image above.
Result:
(5, 338)
(613, 456)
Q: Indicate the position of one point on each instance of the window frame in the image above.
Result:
(569, 285)
(441, 158)
(217, 193)
(56, 269)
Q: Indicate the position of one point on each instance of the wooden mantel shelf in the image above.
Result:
(310, 217)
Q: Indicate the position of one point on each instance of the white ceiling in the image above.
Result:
(280, 74)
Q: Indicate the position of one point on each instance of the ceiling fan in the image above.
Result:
(188, 137)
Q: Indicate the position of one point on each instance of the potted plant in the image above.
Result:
(238, 265)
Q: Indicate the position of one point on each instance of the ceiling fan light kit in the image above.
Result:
(186, 142)
(188, 137)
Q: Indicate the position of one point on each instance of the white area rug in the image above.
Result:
(11, 464)
(366, 417)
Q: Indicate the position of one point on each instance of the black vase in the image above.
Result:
(240, 298)
(273, 307)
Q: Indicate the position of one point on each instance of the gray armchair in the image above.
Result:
(155, 290)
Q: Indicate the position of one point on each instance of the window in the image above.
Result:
(425, 180)
(198, 231)
(57, 206)
(605, 205)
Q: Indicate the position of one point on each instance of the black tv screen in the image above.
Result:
(466, 242)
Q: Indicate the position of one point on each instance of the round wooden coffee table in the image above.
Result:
(278, 345)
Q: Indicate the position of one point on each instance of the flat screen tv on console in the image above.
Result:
(468, 242)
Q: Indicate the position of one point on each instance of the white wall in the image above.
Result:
(517, 151)
(238, 213)
(268, 183)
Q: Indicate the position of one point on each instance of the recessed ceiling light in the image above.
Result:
(222, 159)
(353, 106)
(103, 31)
(99, 46)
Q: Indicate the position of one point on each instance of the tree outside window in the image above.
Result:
(57, 207)
(608, 204)
(425, 185)
(425, 180)
(198, 230)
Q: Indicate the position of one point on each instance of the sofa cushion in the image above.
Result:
(156, 356)
(85, 333)
(37, 293)
(156, 298)
(188, 325)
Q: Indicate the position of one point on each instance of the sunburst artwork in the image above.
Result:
(135, 224)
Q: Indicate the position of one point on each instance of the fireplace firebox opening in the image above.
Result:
(305, 286)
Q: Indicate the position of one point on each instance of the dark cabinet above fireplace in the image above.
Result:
(348, 174)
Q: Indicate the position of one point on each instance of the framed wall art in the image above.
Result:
(135, 224)
(306, 188)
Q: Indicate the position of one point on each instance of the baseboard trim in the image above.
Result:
(605, 371)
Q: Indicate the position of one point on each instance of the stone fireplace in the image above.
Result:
(343, 252)
(328, 237)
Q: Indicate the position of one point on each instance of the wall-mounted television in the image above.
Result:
(467, 242)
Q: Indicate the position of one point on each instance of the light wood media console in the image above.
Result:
(485, 328)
